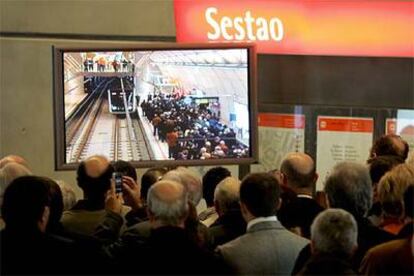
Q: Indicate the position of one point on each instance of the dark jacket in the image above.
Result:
(327, 265)
(299, 212)
(391, 258)
(168, 250)
(227, 227)
(34, 252)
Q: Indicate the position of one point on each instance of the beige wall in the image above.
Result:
(26, 83)
(115, 17)
(26, 87)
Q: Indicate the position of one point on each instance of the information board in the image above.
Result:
(279, 134)
(341, 139)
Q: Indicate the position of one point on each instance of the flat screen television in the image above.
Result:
(156, 105)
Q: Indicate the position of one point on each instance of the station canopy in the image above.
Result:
(215, 72)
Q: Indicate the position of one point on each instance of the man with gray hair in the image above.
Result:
(168, 244)
(192, 181)
(349, 187)
(167, 204)
(230, 223)
(333, 241)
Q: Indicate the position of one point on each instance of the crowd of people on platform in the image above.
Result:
(191, 131)
(103, 65)
(176, 222)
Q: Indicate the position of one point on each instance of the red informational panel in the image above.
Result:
(345, 124)
(282, 120)
(320, 27)
(341, 139)
(279, 134)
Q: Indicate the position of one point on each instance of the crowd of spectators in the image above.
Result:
(103, 65)
(191, 131)
(177, 222)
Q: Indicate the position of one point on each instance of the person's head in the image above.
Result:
(210, 180)
(15, 159)
(259, 196)
(349, 187)
(379, 166)
(409, 202)
(56, 205)
(391, 190)
(8, 173)
(26, 204)
(148, 179)
(191, 181)
(334, 232)
(125, 168)
(68, 194)
(167, 203)
(227, 195)
(298, 172)
(94, 177)
(390, 144)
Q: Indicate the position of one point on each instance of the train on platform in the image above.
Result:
(121, 96)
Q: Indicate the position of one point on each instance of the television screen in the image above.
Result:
(176, 104)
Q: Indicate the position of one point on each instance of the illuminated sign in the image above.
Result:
(350, 28)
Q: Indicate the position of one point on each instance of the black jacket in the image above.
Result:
(327, 265)
(227, 227)
(34, 252)
(299, 212)
(169, 250)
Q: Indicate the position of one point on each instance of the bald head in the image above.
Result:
(96, 165)
(299, 171)
(168, 203)
(191, 181)
(168, 191)
(13, 158)
(94, 177)
(390, 144)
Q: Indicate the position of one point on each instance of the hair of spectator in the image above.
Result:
(13, 159)
(260, 192)
(390, 144)
(349, 187)
(97, 185)
(227, 194)
(24, 202)
(168, 202)
(150, 177)
(299, 169)
(68, 194)
(210, 180)
(391, 189)
(190, 179)
(9, 172)
(409, 201)
(126, 168)
(334, 231)
(56, 205)
(380, 165)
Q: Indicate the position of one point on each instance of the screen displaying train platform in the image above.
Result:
(157, 105)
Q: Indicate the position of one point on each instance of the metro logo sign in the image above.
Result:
(348, 28)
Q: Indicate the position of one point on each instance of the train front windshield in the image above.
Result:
(117, 101)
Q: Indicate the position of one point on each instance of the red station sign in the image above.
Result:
(346, 28)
